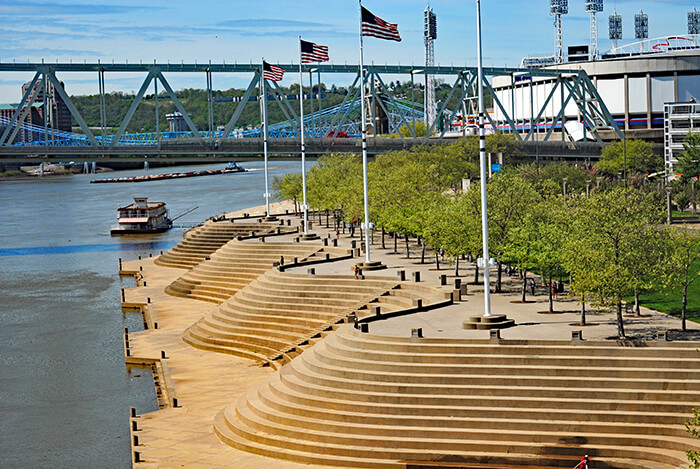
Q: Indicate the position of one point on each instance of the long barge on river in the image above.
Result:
(231, 168)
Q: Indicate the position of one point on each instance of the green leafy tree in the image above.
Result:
(638, 155)
(685, 254)
(420, 130)
(288, 187)
(693, 427)
(688, 164)
(536, 242)
(510, 198)
(608, 236)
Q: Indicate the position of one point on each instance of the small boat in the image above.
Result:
(142, 217)
(230, 168)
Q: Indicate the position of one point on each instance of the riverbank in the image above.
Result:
(201, 383)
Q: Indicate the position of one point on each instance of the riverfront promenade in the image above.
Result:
(203, 383)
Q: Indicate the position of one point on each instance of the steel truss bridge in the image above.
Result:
(335, 129)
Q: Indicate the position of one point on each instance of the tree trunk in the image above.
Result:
(524, 284)
(437, 261)
(383, 244)
(422, 252)
(551, 299)
(327, 218)
(636, 302)
(500, 273)
(620, 324)
(685, 306)
(476, 274)
(583, 310)
(457, 266)
(361, 236)
(408, 251)
(395, 243)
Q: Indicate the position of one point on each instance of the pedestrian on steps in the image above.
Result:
(583, 464)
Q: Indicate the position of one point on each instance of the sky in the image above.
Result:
(237, 31)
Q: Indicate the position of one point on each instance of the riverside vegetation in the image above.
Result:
(611, 243)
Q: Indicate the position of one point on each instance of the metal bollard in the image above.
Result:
(416, 276)
(443, 279)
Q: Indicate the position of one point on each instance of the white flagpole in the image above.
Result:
(304, 207)
(484, 169)
(263, 95)
(364, 141)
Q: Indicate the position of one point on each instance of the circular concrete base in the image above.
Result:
(270, 218)
(374, 265)
(495, 321)
(309, 237)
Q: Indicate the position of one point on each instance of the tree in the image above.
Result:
(288, 187)
(608, 236)
(685, 254)
(510, 198)
(537, 241)
(420, 130)
(693, 427)
(688, 164)
(640, 158)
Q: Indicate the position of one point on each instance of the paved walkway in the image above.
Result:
(206, 382)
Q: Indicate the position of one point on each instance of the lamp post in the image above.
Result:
(482, 161)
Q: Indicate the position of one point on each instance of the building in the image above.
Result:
(679, 120)
(60, 117)
(633, 86)
(32, 128)
(177, 122)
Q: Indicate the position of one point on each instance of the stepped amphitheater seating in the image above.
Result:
(203, 240)
(279, 314)
(358, 400)
(238, 263)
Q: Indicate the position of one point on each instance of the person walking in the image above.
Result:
(583, 464)
(555, 289)
(532, 286)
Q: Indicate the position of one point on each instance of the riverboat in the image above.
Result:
(142, 217)
(230, 168)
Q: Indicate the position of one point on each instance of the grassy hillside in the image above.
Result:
(195, 102)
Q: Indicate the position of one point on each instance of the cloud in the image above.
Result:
(271, 23)
(24, 8)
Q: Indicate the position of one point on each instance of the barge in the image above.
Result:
(231, 168)
(142, 217)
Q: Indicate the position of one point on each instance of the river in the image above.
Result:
(65, 392)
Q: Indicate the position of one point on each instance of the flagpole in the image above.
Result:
(364, 142)
(304, 207)
(264, 116)
(484, 169)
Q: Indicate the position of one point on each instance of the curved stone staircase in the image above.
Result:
(200, 242)
(279, 314)
(358, 400)
(238, 263)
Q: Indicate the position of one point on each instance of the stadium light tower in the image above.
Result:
(694, 24)
(615, 28)
(641, 27)
(556, 9)
(430, 34)
(593, 7)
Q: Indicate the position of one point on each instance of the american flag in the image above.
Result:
(311, 52)
(376, 27)
(272, 72)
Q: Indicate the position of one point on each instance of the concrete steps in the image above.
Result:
(203, 240)
(358, 400)
(234, 265)
(288, 312)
